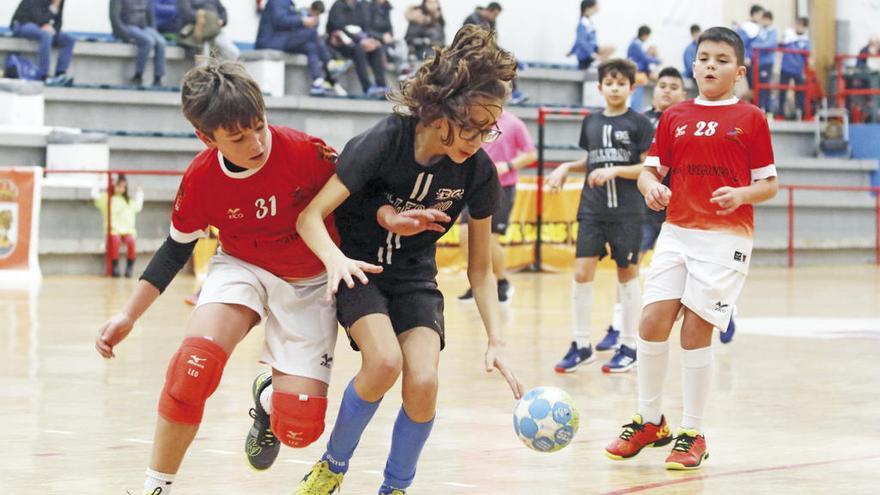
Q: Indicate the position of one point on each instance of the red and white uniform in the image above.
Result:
(702, 257)
(263, 264)
(256, 210)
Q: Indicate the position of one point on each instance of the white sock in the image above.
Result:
(696, 377)
(631, 310)
(266, 399)
(158, 480)
(653, 359)
(617, 316)
(582, 310)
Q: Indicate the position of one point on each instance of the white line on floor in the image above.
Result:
(458, 485)
(298, 461)
(138, 440)
(58, 432)
(215, 451)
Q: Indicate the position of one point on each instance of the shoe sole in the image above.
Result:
(510, 292)
(575, 367)
(622, 369)
(659, 443)
(677, 466)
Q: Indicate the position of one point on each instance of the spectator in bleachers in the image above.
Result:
(283, 27)
(690, 54)
(378, 19)
(134, 21)
(40, 20)
(767, 38)
(485, 17)
(202, 21)
(793, 64)
(872, 48)
(426, 29)
(748, 31)
(123, 210)
(166, 18)
(645, 58)
(346, 29)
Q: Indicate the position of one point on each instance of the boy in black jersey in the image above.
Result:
(611, 210)
(398, 187)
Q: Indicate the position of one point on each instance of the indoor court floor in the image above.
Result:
(793, 408)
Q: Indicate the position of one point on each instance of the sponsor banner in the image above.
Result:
(19, 222)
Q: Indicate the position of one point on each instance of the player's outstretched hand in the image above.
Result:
(112, 333)
(556, 179)
(495, 360)
(346, 270)
(728, 199)
(413, 222)
(658, 197)
(600, 176)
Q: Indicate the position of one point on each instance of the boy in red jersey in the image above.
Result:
(719, 154)
(252, 183)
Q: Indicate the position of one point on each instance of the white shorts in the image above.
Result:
(708, 289)
(301, 325)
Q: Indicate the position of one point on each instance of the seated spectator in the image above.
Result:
(426, 29)
(202, 21)
(134, 21)
(283, 27)
(872, 48)
(346, 29)
(166, 18)
(793, 64)
(378, 19)
(123, 210)
(690, 54)
(645, 58)
(40, 20)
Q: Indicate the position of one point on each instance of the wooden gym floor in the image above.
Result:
(793, 407)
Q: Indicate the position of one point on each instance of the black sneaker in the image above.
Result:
(261, 445)
(467, 296)
(505, 290)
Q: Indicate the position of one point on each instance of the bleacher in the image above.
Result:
(147, 131)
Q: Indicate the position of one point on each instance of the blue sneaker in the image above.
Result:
(575, 357)
(390, 490)
(610, 340)
(727, 335)
(623, 360)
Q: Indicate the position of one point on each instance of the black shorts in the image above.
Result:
(501, 218)
(409, 303)
(624, 236)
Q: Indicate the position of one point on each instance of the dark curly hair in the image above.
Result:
(447, 84)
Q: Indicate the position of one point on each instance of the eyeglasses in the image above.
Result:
(485, 135)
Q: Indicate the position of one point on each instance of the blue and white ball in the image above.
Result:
(546, 419)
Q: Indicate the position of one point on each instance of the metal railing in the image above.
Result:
(806, 87)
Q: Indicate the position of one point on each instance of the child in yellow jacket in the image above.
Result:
(123, 210)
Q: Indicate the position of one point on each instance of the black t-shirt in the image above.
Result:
(614, 141)
(378, 167)
(652, 216)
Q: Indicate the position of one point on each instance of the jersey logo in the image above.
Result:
(721, 308)
(738, 256)
(326, 361)
(444, 194)
(326, 154)
(622, 137)
(234, 214)
(680, 130)
(179, 199)
(442, 206)
(734, 134)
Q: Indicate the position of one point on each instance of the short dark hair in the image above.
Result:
(720, 34)
(768, 15)
(618, 67)
(644, 31)
(221, 94)
(755, 10)
(318, 6)
(494, 6)
(695, 28)
(804, 21)
(670, 72)
(587, 4)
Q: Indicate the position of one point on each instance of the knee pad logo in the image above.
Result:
(197, 362)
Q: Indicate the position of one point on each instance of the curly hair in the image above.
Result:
(447, 84)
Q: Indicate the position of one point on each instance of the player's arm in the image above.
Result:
(650, 184)
(310, 226)
(521, 160)
(161, 270)
(557, 178)
(729, 199)
(485, 288)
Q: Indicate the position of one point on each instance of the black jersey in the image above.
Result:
(656, 217)
(378, 167)
(609, 142)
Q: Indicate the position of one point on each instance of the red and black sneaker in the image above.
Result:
(636, 436)
(689, 451)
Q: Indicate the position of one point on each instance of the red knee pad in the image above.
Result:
(193, 375)
(297, 420)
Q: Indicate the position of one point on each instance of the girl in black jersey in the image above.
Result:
(398, 187)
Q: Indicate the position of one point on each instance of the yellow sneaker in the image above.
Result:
(320, 481)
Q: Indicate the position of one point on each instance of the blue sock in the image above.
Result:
(406, 445)
(354, 414)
